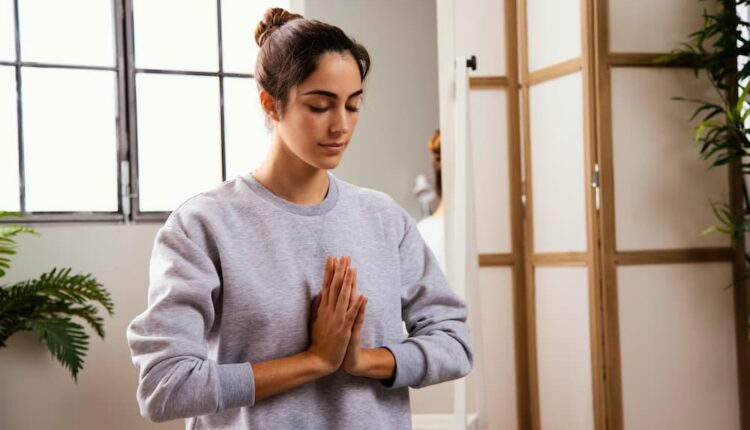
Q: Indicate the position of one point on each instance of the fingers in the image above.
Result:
(358, 315)
(346, 289)
(329, 269)
(339, 284)
(338, 280)
(353, 296)
(327, 277)
(331, 286)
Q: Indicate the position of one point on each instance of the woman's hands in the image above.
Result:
(354, 358)
(336, 312)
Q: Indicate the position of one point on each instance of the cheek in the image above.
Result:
(310, 124)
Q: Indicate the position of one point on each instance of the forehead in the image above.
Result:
(336, 72)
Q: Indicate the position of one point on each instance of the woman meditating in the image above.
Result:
(276, 299)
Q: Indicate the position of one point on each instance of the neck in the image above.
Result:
(439, 209)
(291, 178)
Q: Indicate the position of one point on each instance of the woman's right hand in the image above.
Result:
(334, 312)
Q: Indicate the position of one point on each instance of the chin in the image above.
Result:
(329, 165)
(326, 164)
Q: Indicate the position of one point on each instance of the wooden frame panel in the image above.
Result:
(601, 256)
(610, 258)
(520, 316)
(516, 259)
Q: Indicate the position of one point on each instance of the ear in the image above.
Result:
(268, 104)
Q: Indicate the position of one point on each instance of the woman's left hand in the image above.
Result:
(355, 355)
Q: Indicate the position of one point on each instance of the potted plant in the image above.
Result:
(46, 305)
(720, 49)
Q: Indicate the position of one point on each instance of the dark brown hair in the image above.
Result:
(433, 144)
(290, 47)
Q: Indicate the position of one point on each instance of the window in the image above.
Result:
(123, 109)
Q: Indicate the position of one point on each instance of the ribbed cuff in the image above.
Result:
(237, 385)
(410, 365)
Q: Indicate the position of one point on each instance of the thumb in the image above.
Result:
(359, 321)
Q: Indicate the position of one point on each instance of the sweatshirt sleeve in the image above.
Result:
(176, 379)
(438, 347)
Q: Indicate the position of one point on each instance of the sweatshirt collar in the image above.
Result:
(329, 201)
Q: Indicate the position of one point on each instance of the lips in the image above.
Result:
(333, 148)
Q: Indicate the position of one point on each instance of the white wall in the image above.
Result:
(400, 110)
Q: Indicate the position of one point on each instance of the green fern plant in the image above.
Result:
(715, 49)
(46, 305)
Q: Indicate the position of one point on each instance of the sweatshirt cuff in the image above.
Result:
(237, 385)
(410, 365)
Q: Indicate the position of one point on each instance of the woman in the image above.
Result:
(432, 228)
(251, 323)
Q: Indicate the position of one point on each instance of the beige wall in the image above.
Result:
(36, 392)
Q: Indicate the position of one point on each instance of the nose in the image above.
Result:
(340, 122)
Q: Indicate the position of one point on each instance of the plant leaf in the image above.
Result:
(66, 340)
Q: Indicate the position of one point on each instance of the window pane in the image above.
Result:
(67, 32)
(7, 31)
(176, 34)
(239, 18)
(179, 138)
(70, 139)
(245, 135)
(9, 187)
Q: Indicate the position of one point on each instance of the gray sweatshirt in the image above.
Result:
(232, 277)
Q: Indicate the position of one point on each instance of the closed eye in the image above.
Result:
(322, 110)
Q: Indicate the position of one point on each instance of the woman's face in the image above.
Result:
(322, 112)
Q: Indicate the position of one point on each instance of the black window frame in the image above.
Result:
(128, 210)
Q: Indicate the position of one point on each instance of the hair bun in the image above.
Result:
(273, 18)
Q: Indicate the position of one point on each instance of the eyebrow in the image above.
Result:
(330, 94)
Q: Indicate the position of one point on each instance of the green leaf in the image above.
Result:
(62, 286)
(87, 312)
(66, 340)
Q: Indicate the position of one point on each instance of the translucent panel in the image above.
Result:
(564, 348)
(67, 32)
(669, 23)
(491, 178)
(9, 182)
(191, 42)
(238, 21)
(663, 189)
(499, 379)
(70, 139)
(480, 31)
(557, 165)
(554, 32)
(246, 138)
(677, 347)
(179, 138)
(7, 31)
